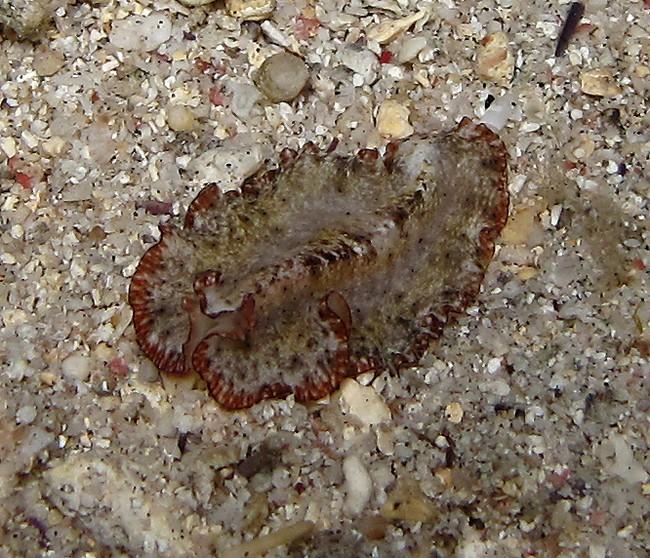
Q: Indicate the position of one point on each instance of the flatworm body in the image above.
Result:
(324, 268)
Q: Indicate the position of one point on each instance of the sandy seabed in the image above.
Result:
(524, 432)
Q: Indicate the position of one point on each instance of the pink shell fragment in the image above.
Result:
(323, 268)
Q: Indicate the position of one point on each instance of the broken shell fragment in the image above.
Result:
(195, 3)
(393, 120)
(599, 82)
(250, 10)
(494, 60)
(407, 502)
(386, 31)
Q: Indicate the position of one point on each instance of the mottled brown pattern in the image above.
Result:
(324, 268)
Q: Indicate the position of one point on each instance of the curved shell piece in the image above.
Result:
(324, 268)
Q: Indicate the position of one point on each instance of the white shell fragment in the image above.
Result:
(250, 10)
(364, 403)
(388, 30)
(76, 366)
(273, 34)
(229, 165)
(361, 61)
(500, 112)
(358, 485)
(244, 97)
(26, 414)
(8, 146)
(625, 465)
(494, 60)
(410, 48)
(141, 33)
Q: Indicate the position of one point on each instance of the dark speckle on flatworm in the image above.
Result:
(319, 270)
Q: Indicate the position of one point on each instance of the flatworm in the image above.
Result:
(323, 268)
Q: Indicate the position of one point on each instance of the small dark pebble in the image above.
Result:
(477, 523)
(613, 115)
(589, 401)
(450, 451)
(502, 407)
(155, 207)
(489, 100)
(574, 15)
(182, 441)
(578, 485)
(263, 459)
